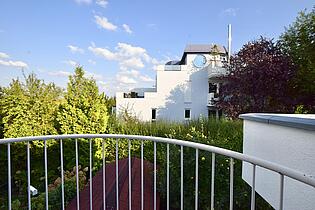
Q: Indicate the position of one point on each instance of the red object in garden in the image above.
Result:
(110, 172)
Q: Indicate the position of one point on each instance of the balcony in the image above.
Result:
(215, 72)
(212, 99)
(91, 199)
(172, 67)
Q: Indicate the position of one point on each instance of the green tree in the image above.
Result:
(299, 42)
(29, 108)
(83, 111)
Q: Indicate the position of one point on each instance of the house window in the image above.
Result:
(153, 114)
(187, 114)
(212, 88)
(215, 114)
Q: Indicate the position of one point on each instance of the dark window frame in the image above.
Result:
(153, 114)
(213, 87)
(187, 114)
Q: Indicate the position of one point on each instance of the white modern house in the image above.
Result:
(184, 89)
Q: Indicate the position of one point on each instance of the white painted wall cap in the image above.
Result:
(301, 121)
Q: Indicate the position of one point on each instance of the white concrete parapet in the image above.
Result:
(287, 140)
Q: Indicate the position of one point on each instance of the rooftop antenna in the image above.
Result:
(229, 42)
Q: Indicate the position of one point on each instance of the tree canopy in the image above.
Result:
(84, 109)
(29, 109)
(298, 41)
(257, 80)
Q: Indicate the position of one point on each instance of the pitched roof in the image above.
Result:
(110, 173)
(202, 48)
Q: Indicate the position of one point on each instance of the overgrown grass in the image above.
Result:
(220, 133)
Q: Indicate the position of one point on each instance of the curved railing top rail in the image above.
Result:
(307, 179)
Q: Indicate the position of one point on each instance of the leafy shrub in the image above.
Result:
(224, 134)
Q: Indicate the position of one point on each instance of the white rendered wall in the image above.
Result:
(287, 146)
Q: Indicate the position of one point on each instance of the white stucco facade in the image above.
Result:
(179, 87)
(288, 140)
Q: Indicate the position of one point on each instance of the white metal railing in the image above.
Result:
(216, 71)
(283, 171)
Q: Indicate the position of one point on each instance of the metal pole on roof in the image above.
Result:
(229, 41)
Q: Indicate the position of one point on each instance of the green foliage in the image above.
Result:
(83, 111)
(224, 134)
(33, 108)
(29, 109)
(298, 42)
(300, 109)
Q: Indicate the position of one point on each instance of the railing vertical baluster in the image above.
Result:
(91, 181)
(252, 206)
(196, 184)
(281, 192)
(212, 180)
(104, 177)
(28, 176)
(181, 177)
(62, 177)
(154, 169)
(231, 182)
(46, 177)
(168, 177)
(77, 173)
(142, 177)
(9, 176)
(129, 173)
(117, 184)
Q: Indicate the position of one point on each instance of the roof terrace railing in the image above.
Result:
(281, 170)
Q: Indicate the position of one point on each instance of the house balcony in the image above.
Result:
(171, 67)
(212, 98)
(216, 72)
(131, 183)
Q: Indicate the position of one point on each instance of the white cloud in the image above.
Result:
(75, 49)
(128, 56)
(103, 52)
(71, 63)
(125, 79)
(146, 78)
(132, 62)
(133, 73)
(83, 1)
(4, 55)
(127, 28)
(230, 12)
(104, 23)
(59, 73)
(91, 61)
(127, 50)
(17, 64)
(102, 3)
(95, 76)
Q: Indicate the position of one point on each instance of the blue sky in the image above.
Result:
(119, 43)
